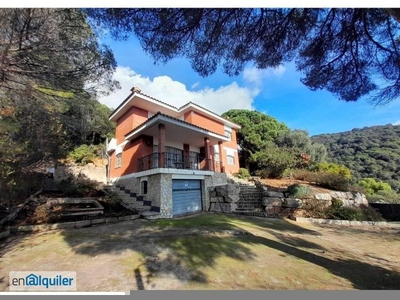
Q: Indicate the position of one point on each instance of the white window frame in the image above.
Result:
(118, 160)
(228, 161)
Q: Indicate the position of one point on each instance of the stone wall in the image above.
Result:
(209, 183)
(224, 198)
(132, 184)
(275, 202)
(96, 173)
(280, 203)
(166, 195)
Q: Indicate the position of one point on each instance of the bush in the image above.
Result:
(300, 191)
(332, 181)
(314, 209)
(335, 169)
(372, 186)
(45, 214)
(243, 173)
(78, 187)
(345, 213)
(263, 174)
(336, 203)
(372, 214)
(318, 209)
(84, 154)
(389, 196)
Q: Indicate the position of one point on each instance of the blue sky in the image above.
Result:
(276, 92)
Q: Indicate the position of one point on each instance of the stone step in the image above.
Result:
(250, 209)
(250, 213)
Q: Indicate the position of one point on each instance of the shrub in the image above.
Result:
(314, 209)
(300, 191)
(335, 169)
(372, 186)
(243, 173)
(336, 203)
(288, 173)
(372, 214)
(78, 187)
(345, 213)
(45, 214)
(332, 181)
(263, 174)
(389, 196)
(84, 154)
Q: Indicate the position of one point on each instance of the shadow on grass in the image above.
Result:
(183, 255)
(362, 275)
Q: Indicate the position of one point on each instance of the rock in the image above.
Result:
(230, 192)
(348, 203)
(292, 202)
(360, 199)
(213, 194)
(340, 195)
(271, 211)
(323, 196)
(216, 199)
(271, 201)
(274, 194)
(223, 207)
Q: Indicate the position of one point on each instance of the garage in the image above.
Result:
(186, 196)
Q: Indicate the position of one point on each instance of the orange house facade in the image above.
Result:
(168, 155)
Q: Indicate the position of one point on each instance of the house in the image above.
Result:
(168, 155)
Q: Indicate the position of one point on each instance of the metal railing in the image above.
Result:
(174, 161)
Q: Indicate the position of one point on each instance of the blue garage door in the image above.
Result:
(186, 196)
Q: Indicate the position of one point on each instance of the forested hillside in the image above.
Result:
(369, 152)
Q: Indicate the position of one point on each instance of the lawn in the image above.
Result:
(212, 251)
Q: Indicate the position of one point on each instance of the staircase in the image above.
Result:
(132, 201)
(250, 202)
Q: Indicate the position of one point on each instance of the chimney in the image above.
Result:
(135, 90)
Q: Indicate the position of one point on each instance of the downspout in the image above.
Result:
(108, 164)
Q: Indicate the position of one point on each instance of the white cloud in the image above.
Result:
(256, 76)
(396, 123)
(166, 89)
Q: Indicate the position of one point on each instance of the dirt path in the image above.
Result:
(229, 253)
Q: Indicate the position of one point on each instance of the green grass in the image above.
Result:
(231, 222)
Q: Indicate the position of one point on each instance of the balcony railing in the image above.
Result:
(174, 161)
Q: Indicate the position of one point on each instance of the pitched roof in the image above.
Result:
(136, 91)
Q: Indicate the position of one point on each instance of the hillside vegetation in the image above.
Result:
(371, 152)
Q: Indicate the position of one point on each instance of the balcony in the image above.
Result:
(174, 161)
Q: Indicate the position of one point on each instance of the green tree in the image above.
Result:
(300, 143)
(50, 62)
(341, 50)
(275, 159)
(257, 131)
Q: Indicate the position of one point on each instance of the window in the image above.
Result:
(228, 134)
(230, 159)
(216, 156)
(118, 160)
(143, 187)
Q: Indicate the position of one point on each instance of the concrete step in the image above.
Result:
(250, 213)
(151, 215)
